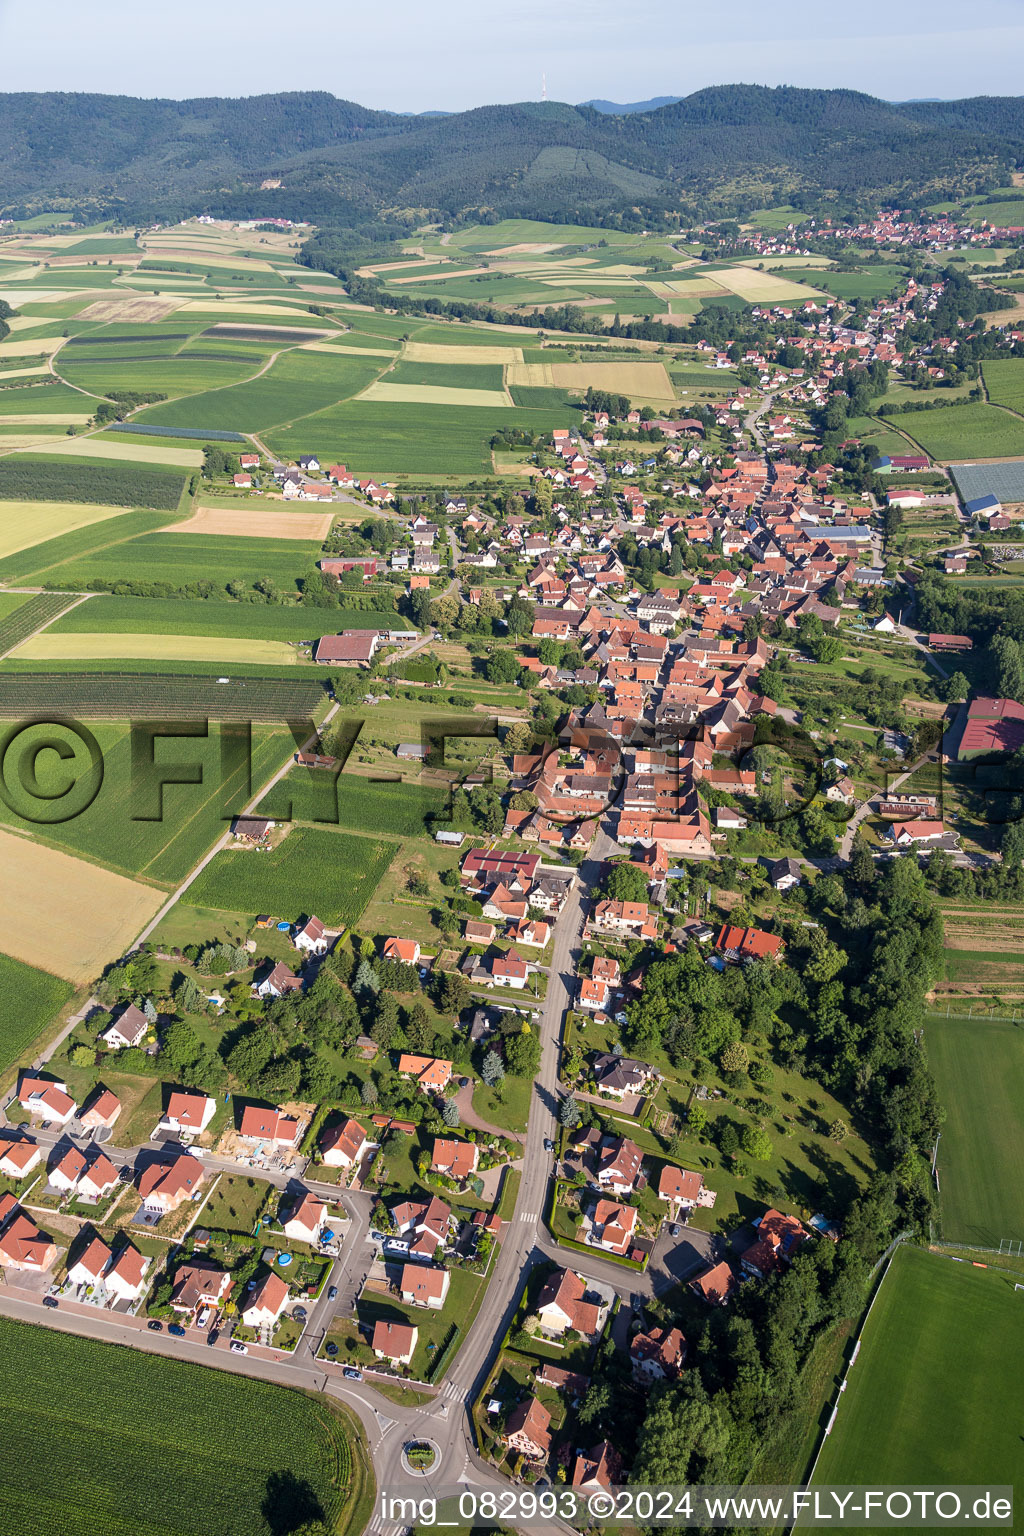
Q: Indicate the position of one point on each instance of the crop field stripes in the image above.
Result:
(35, 615)
(156, 696)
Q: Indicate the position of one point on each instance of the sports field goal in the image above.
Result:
(1011, 1247)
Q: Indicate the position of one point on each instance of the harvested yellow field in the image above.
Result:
(131, 453)
(256, 523)
(527, 249)
(784, 262)
(691, 285)
(441, 277)
(22, 373)
(9, 441)
(763, 287)
(39, 419)
(133, 307)
(243, 307)
(64, 915)
(424, 352)
(36, 296)
(28, 347)
(25, 523)
(646, 381)
(433, 394)
(287, 330)
(330, 346)
(47, 647)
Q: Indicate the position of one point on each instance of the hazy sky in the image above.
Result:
(411, 55)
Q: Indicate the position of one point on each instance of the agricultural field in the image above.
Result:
(83, 1412)
(27, 615)
(156, 647)
(30, 1000)
(258, 523)
(1004, 380)
(936, 1395)
(106, 485)
(107, 447)
(979, 1069)
(65, 915)
(181, 559)
(974, 431)
(402, 809)
(66, 533)
(254, 621)
(329, 873)
(177, 830)
(646, 381)
(296, 384)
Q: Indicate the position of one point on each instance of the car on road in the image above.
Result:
(176, 1329)
(238, 1348)
(351, 1374)
(155, 1326)
(549, 1145)
(50, 1301)
(332, 1293)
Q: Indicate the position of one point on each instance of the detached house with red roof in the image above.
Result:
(561, 1305)
(46, 1099)
(528, 1430)
(747, 943)
(405, 951)
(188, 1112)
(432, 1073)
(619, 1165)
(268, 1125)
(778, 1238)
(344, 1145)
(424, 1286)
(266, 1302)
(306, 1219)
(395, 1341)
(457, 1159)
(658, 1355)
(163, 1186)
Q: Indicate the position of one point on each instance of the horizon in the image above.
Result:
(452, 58)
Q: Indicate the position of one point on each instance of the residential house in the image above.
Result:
(424, 1287)
(600, 1468)
(592, 995)
(681, 1187)
(188, 1112)
(268, 1125)
(66, 1171)
(405, 951)
(306, 1220)
(277, 981)
(101, 1111)
(130, 1028)
(561, 1305)
(344, 1145)
(90, 1264)
(658, 1355)
(778, 1238)
(457, 1159)
(22, 1244)
(163, 1186)
(312, 938)
(266, 1302)
(18, 1158)
(433, 1074)
(527, 1429)
(613, 1225)
(747, 943)
(200, 1284)
(618, 1165)
(424, 1224)
(46, 1099)
(394, 1341)
(126, 1273)
(715, 1285)
(98, 1178)
(784, 874)
(619, 1075)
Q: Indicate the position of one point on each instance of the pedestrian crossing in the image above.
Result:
(529, 1216)
(453, 1392)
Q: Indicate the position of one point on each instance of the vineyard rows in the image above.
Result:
(24, 621)
(155, 696)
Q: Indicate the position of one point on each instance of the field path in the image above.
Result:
(222, 841)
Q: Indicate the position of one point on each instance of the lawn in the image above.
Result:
(210, 1453)
(29, 1001)
(400, 809)
(235, 1204)
(974, 431)
(979, 1069)
(937, 1394)
(331, 874)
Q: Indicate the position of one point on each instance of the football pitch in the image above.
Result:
(979, 1069)
(936, 1395)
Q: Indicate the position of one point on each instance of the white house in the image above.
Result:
(266, 1303)
(130, 1028)
(424, 1286)
(89, 1266)
(125, 1276)
(343, 1145)
(306, 1221)
(188, 1112)
(311, 938)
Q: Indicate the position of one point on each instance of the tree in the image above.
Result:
(503, 667)
(82, 1056)
(734, 1057)
(492, 1070)
(838, 1130)
(569, 1113)
(957, 688)
(697, 1119)
(450, 1113)
(443, 612)
(519, 616)
(367, 982)
(626, 883)
(757, 1143)
(522, 1053)
(368, 1092)
(518, 737)
(188, 997)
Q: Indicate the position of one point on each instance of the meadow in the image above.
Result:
(978, 1066)
(29, 1001)
(45, 400)
(975, 431)
(181, 559)
(331, 874)
(873, 282)
(936, 1395)
(84, 1412)
(184, 616)
(400, 809)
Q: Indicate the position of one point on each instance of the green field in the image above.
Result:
(29, 1000)
(109, 1441)
(1004, 380)
(52, 560)
(194, 815)
(937, 1394)
(974, 431)
(979, 1069)
(44, 399)
(384, 438)
(184, 558)
(399, 809)
(115, 485)
(449, 375)
(295, 385)
(252, 621)
(328, 873)
(868, 283)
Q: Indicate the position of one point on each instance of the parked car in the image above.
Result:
(176, 1329)
(332, 1293)
(549, 1145)
(155, 1325)
(50, 1301)
(125, 1175)
(378, 1237)
(674, 1229)
(352, 1374)
(238, 1348)
(213, 1336)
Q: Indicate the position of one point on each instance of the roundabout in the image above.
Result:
(420, 1457)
